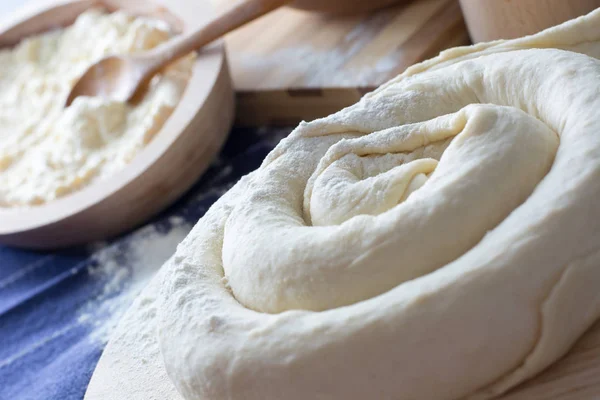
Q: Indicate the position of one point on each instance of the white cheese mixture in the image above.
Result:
(48, 151)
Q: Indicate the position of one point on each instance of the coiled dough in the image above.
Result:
(437, 240)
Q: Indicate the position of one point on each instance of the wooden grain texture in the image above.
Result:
(342, 7)
(507, 19)
(179, 153)
(574, 377)
(293, 65)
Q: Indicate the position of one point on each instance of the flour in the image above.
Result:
(48, 151)
(318, 68)
(124, 269)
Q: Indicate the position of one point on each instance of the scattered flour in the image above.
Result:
(124, 269)
(316, 68)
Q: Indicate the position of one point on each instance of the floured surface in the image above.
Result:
(302, 66)
(125, 269)
(48, 151)
(294, 49)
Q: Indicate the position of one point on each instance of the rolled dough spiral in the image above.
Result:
(437, 240)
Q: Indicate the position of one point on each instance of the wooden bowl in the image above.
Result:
(507, 19)
(342, 6)
(179, 153)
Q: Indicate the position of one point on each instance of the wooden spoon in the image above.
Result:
(120, 77)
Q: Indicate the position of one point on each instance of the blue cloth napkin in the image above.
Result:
(54, 304)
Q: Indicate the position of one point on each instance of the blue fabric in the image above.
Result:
(46, 351)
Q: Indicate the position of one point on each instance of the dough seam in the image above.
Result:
(505, 381)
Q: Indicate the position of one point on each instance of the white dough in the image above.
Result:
(438, 240)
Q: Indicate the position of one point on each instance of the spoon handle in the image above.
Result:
(228, 21)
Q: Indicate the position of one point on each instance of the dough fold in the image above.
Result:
(437, 240)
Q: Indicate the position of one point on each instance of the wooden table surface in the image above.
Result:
(292, 65)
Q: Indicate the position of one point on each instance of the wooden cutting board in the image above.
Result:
(292, 65)
(574, 377)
